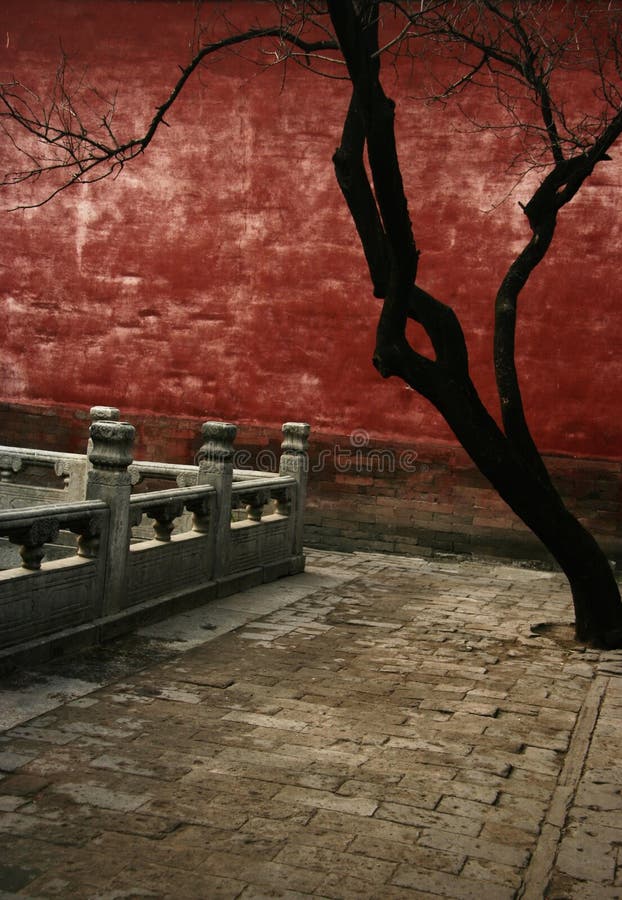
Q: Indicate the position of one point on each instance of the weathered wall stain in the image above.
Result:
(220, 275)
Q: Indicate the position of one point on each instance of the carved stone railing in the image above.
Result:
(268, 527)
(114, 571)
(182, 563)
(163, 507)
(182, 475)
(143, 471)
(40, 597)
(32, 529)
(62, 476)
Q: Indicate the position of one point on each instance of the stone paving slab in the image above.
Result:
(379, 727)
(31, 692)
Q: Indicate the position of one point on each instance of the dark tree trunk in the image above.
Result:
(510, 459)
(522, 485)
(595, 593)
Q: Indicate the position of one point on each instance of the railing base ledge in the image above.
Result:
(70, 641)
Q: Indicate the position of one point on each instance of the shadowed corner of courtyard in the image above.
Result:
(375, 727)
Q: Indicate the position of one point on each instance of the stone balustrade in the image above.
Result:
(164, 507)
(59, 476)
(40, 598)
(95, 565)
(31, 529)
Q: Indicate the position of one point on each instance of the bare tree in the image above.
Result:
(516, 49)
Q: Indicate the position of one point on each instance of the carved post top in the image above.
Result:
(218, 438)
(101, 413)
(295, 437)
(112, 445)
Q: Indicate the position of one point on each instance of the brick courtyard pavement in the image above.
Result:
(397, 730)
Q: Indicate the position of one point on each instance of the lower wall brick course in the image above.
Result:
(443, 504)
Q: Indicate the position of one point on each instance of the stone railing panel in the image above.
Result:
(43, 597)
(172, 562)
(196, 504)
(267, 533)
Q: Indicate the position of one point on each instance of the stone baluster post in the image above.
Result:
(295, 461)
(254, 504)
(31, 540)
(101, 414)
(108, 479)
(75, 471)
(216, 468)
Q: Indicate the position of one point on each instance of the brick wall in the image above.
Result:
(439, 501)
(364, 495)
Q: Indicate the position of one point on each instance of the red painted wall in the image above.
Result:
(220, 276)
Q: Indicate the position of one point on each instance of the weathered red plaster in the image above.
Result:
(220, 275)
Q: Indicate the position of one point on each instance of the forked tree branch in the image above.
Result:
(76, 153)
(382, 218)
